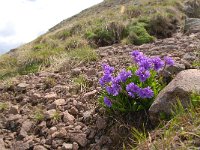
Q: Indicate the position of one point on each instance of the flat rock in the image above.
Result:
(50, 95)
(67, 146)
(39, 147)
(180, 88)
(90, 94)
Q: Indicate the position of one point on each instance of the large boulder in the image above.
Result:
(192, 25)
(180, 88)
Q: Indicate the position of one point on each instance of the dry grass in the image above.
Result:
(68, 37)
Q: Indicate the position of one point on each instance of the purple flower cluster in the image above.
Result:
(134, 90)
(107, 77)
(143, 74)
(145, 64)
(115, 84)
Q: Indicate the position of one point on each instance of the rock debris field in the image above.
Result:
(51, 111)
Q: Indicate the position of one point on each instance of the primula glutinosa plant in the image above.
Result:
(134, 88)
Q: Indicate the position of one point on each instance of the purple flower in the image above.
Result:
(107, 102)
(124, 75)
(146, 63)
(114, 89)
(105, 79)
(137, 56)
(135, 53)
(108, 69)
(132, 89)
(169, 61)
(143, 74)
(116, 80)
(145, 93)
(158, 63)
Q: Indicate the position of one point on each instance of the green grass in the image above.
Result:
(95, 27)
(38, 115)
(85, 54)
(56, 116)
(3, 106)
(181, 132)
(81, 81)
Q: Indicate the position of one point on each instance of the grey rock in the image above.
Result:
(192, 25)
(189, 57)
(179, 88)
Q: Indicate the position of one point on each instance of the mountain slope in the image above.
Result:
(49, 110)
(110, 22)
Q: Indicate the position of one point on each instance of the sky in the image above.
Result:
(22, 21)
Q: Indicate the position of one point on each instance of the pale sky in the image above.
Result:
(22, 21)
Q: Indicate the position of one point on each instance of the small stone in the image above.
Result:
(52, 130)
(75, 146)
(50, 95)
(88, 114)
(27, 125)
(20, 145)
(90, 94)
(67, 117)
(67, 146)
(39, 147)
(73, 111)
(62, 133)
(59, 102)
(50, 113)
(22, 85)
(76, 71)
(14, 110)
(80, 139)
(91, 72)
(101, 123)
(14, 117)
(2, 144)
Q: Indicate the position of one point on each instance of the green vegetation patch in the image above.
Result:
(85, 54)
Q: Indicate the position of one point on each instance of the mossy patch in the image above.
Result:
(138, 34)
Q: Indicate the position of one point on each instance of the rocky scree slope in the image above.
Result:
(53, 111)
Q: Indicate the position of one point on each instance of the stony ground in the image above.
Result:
(53, 111)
